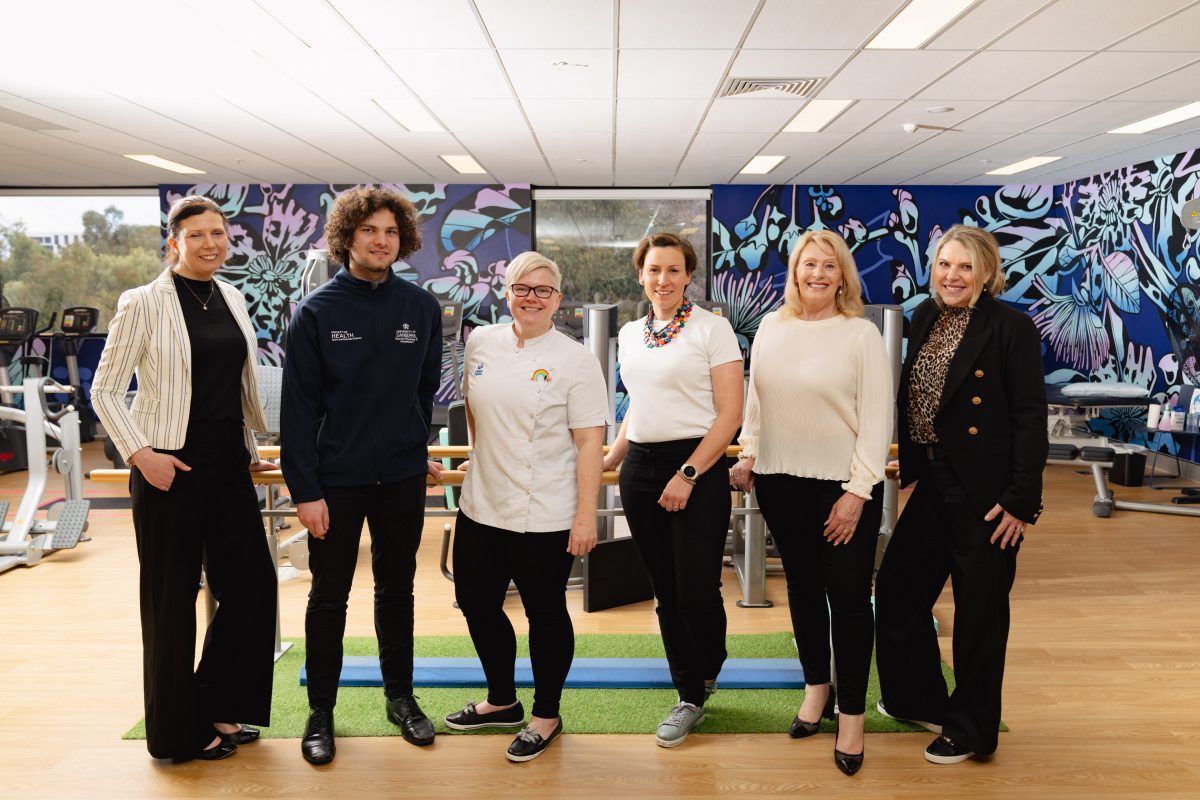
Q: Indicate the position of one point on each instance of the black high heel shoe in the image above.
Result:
(848, 763)
(802, 729)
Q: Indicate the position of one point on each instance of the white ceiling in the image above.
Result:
(579, 92)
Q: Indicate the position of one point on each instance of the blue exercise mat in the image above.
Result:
(586, 673)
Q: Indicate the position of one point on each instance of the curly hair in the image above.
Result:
(354, 206)
(664, 239)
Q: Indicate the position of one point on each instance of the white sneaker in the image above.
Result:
(932, 727)
(678, 724)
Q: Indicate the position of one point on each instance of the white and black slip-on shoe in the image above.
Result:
(946, 751)
(529, 744)
(471, 720)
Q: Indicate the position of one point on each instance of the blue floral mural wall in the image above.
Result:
(1095, 263)
(470, 234)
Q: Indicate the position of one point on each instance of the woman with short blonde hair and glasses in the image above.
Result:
(814, 443)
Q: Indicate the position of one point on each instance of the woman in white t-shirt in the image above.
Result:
(536, 408)
(683, 370)
(814, 442)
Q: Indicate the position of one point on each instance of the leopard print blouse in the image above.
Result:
(929, 372)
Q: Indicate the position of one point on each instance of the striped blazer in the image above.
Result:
(148, 336)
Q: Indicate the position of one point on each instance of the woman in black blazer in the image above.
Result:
(188, 441)
(972, 422)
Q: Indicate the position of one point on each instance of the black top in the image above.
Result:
(218, 352)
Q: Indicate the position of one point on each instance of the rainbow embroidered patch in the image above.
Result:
(540, 375)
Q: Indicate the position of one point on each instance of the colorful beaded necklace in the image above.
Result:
(673, 328)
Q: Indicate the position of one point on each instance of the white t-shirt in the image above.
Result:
(525, 401)
(820, 402)
(670, 387)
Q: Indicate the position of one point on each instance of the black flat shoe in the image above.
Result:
(317, 745)
(223, 750)
(529, 744)
(243, 735)
(802, 729)
(415, 727)
(471, 720)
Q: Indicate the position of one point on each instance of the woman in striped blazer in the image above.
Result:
(188, 439)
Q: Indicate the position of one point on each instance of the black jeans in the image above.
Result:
(210, 516)
(396, 515)
(485, 560)
(823, 579)
(683, 553)
(939, 535)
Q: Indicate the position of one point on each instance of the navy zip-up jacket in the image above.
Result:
(361, 368)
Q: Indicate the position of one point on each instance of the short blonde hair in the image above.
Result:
(848, 300)
(985, 260)
(526, 263)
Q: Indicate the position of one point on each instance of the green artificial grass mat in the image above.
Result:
(360, 711)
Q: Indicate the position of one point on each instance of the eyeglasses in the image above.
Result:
(542, 292)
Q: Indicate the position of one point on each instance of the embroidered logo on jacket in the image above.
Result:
(406, 334)
(344, 336)
(540, 375)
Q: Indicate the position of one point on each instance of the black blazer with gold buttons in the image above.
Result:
(992, 417)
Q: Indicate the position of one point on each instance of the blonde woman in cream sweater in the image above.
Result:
(815, 439)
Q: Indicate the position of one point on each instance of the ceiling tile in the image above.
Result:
(996, 75)
(1179, 86)
(952, 144)
(1104, 117)
(1105, 74)
(806, 145)
(985, 22)
(1084, 24)
(585, 73)
(1175, 33)
(914, 111)
(414, 23)
(501, 114)
(785, 23)
(548, 23)
(716, 144)
(670, 73)
(1025, 145)
(879, 146)
(638, 143)
(659, 115)
(883, 74)
(1015, 116)
(788, 63)
(563, 143)
(569, 115)
(681, 24)
(751, 113)
(860, 116)
(467, 73)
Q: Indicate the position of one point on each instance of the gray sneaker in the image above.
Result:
(678, 724)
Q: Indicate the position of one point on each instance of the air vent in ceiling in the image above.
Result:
(801, 87)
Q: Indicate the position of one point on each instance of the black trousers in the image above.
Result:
(209, 516)
(396, 515)
(828, 587)
(485, 560)
(939, 535)
(683, 553)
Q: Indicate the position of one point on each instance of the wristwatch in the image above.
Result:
(688, 473)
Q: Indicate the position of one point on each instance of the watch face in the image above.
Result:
(689, 471)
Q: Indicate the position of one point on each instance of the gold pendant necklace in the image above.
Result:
(203, 303)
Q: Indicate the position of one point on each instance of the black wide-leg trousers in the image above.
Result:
(828, 587)
(486, 558)
(683, 552)
(395, 513)
(209, 517)
(940, 535)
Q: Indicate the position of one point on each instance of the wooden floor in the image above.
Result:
(1102, 693)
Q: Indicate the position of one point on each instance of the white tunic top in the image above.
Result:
(525, 401)
(820, 402)
(670, 387)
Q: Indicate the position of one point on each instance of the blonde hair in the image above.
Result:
(526, 263)
(985, 259)
(848, 299)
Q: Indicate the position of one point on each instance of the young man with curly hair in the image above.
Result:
(363, 361)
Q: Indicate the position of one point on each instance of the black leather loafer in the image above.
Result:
(529, 744)
(946, 751)
(317, 745)
(223, 750)
(471, 720)
(243, 735)
(415, 727)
